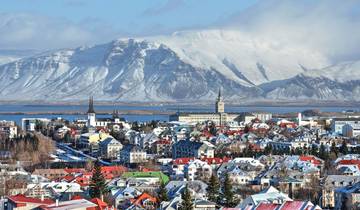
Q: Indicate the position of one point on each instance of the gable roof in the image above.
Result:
(24, 199)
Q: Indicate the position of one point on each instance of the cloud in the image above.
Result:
(330, 26)
(169, 6)
(28, 31)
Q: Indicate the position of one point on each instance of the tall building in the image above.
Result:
(219, 105)
(91, 113)
(219, 117)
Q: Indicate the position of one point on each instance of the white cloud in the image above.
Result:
(169, 6)
(331, 26)
(27, 31)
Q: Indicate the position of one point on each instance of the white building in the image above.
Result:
(29, 124)
(197, 169)
(349, 130)
(337, 124)
(8, 128)
(132, 154)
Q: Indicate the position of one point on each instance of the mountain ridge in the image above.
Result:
(185, 66)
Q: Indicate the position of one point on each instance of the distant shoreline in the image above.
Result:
(122, 112)
(257, 103)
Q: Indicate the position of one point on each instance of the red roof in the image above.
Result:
(74, 170)
(19, 199)
(310, 159)
(267, 206)
(101, 204)
(216, 160)
(112, 169)
(77, 197)
(68, 178)
(139, 200)
(182, 161)
(292, 205)
(143, 169)
(349, 162)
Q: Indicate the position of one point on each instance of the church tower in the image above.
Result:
(91, 113)
(219, 105)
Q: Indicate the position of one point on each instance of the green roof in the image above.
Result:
(164, 179)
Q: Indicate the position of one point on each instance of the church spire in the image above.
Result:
(91, 105)
(219, 95)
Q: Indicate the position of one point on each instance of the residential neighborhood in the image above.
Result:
(254, 161)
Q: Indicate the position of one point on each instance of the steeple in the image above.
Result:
(219, 105)
(91, 105)
(219, 95)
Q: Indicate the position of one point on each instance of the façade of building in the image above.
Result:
(93, 122)
(219, 117)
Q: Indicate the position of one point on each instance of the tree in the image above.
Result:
(213, 189)
(333, 148)
(228, 192)
(344, 149)
(97, 187)
(268, 149)
(67, 137)
(314, 150)
(162, 194)
(322, 152)
(186, 203)
(85, 129)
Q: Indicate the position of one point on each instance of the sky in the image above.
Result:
(329, 26)
(35, 23)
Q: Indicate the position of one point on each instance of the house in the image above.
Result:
(175, 203)
(29, 124)
(197, 169)
(110, 148)
(197, 188)
(178, 166)
(348, 197)
(161, 147)
(90, 141)
(187, 148)
(238, 176)
(8, 129)
(119, 196)
(51, 174)
(350, 167)
(270, 195)
(144, 201)
(331, 183)
(337, 124)
(111, 172)
(286, 205)
(131, 154)
(76, 204)
(20, 202)
(52, 189)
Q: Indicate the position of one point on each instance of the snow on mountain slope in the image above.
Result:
(336, 82)
(185, 66)
(121, 70)
(342, 72)
(232, 53)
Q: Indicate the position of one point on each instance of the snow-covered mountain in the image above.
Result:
(190, 65)
(337, 82)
